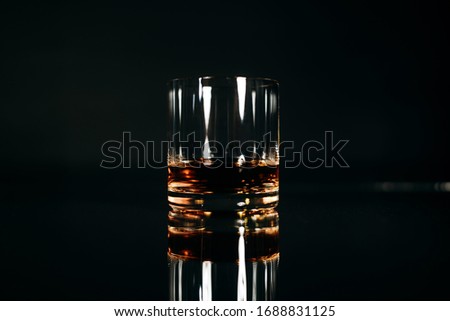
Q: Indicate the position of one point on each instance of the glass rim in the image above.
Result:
(223, 78)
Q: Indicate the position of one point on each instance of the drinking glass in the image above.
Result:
(223, 181)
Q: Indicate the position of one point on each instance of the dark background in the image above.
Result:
(76, 75)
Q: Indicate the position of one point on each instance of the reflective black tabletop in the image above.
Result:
(106, 239)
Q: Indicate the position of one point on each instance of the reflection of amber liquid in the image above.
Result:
(223, 255)
(221, 243)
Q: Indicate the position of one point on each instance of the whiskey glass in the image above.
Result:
(223, 183)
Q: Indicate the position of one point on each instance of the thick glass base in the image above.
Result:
(220, 201)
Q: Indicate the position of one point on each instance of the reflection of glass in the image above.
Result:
(223, 188)
(224, 256)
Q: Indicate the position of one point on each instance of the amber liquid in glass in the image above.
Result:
(223, 186)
